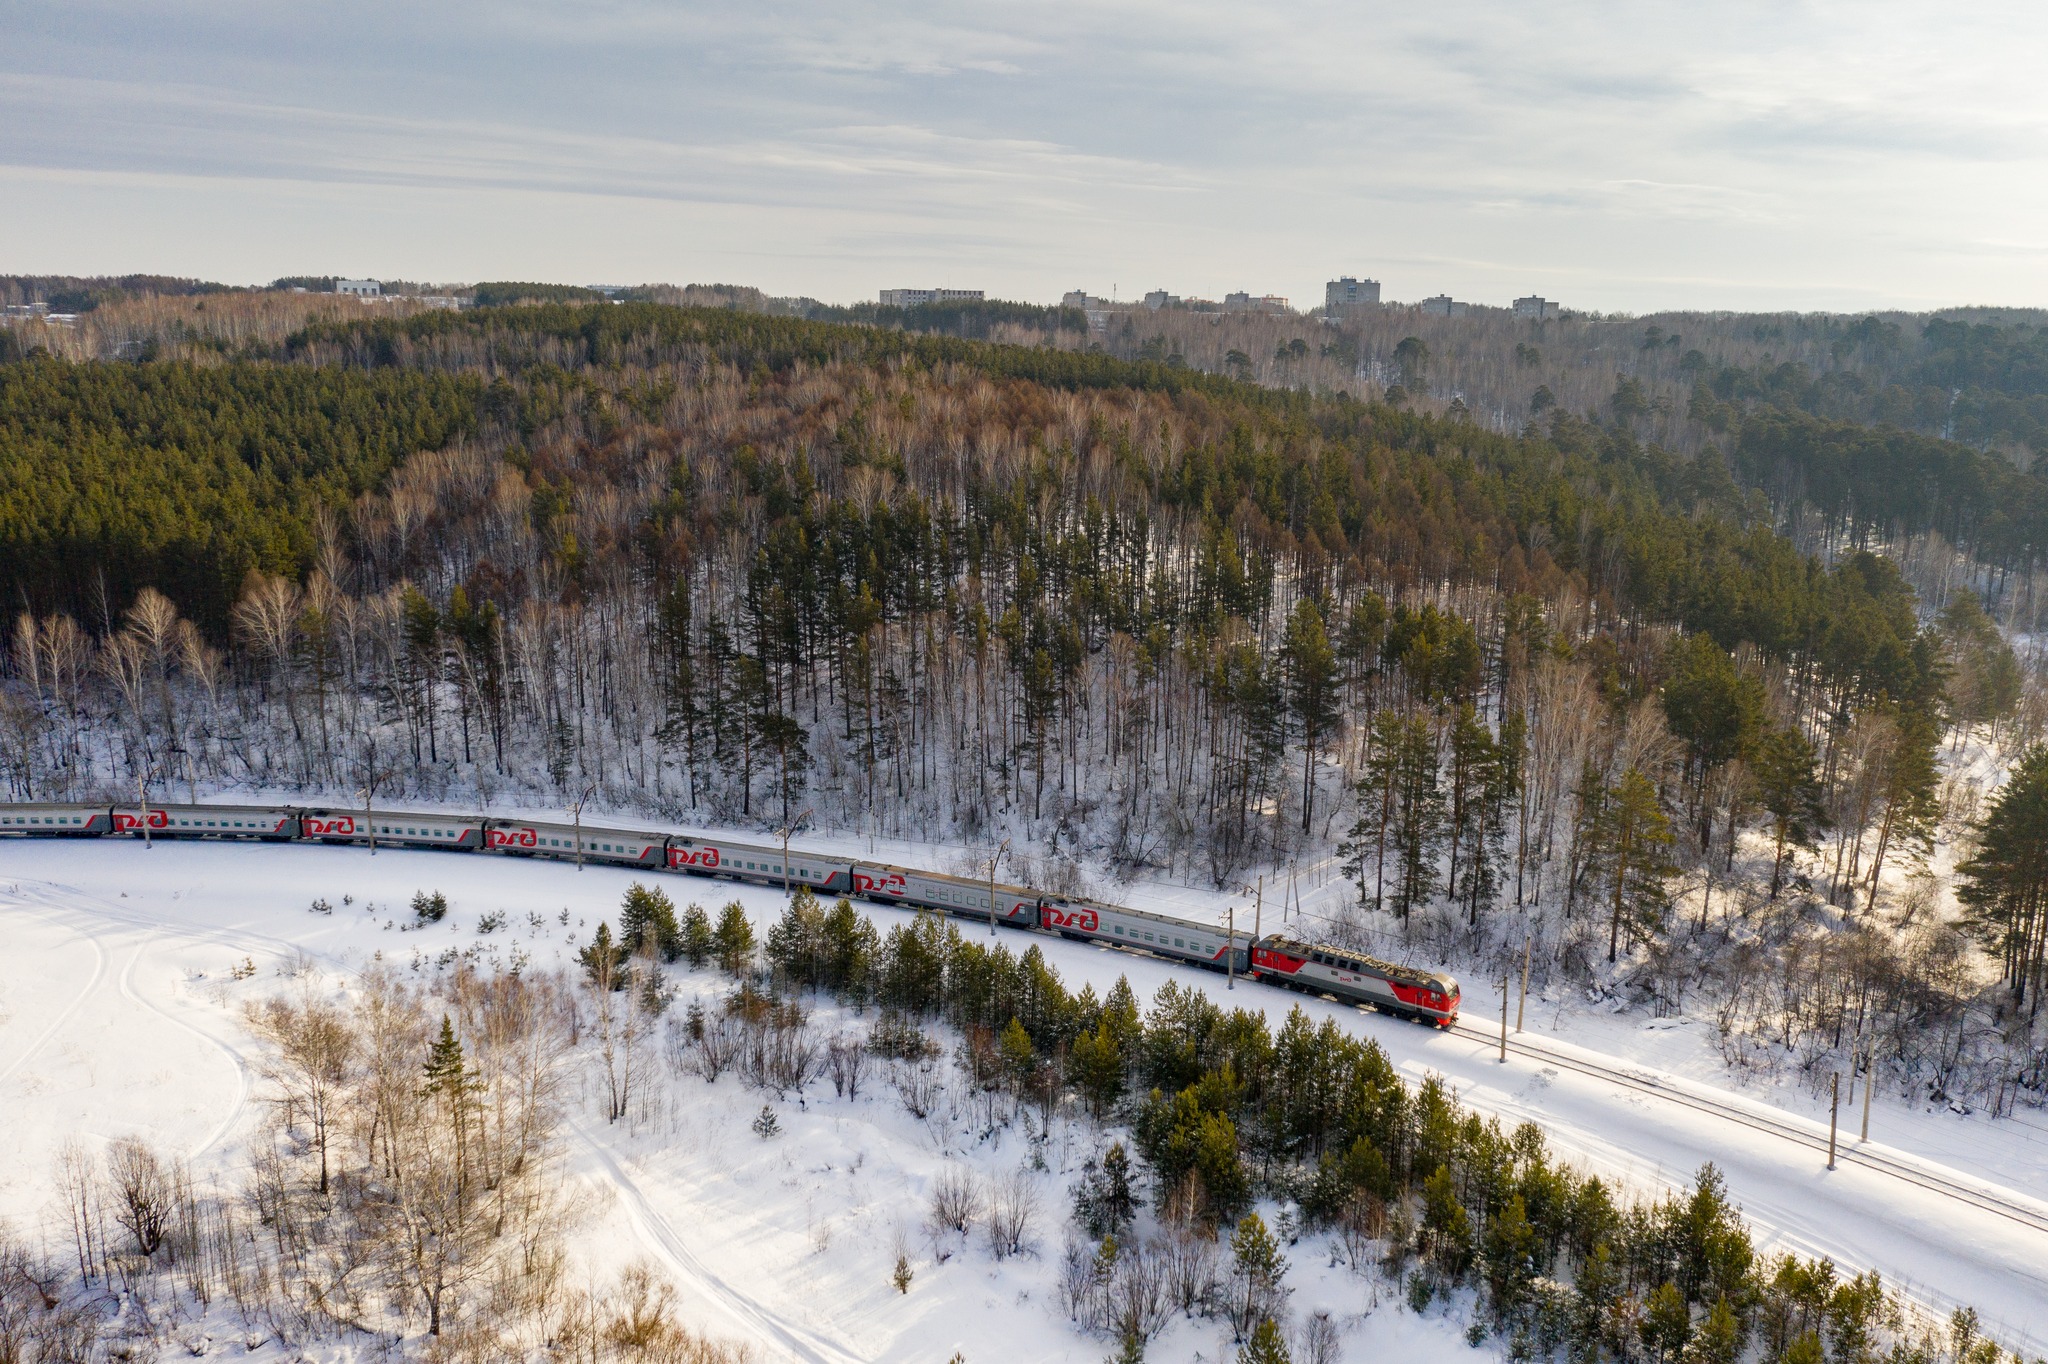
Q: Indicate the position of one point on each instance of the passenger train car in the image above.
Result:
(1275, 959)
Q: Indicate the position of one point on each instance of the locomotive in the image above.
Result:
(1275, 958)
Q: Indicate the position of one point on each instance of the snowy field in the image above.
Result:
(119, 1014)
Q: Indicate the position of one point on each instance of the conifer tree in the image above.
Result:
(1311, 692)
(1634, 844)
(604, 960)
(2003, 884)
(1257, 1271)
(647, 922)
(732, 942)
(1782, 763)
(1264, 1346)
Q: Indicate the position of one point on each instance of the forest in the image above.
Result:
(1701, 732)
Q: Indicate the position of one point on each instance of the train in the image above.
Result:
(1277, 959)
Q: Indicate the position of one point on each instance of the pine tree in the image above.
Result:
(604, 961)
(1266, 1345)
(1096, 1067)
(647, 922)
(1103, 1201)
(1475, 793)
(1446, 1226)
(1634, 840)
(1400, 808)
(1311, 693)
(699, 942)
(732, 942)
(1911, 784)
(1257, 1269)
(1720, 1337)
(1667, 1324)
(447, 1074)
(2003, 884)
(1510, 1247)
(451, 1082)
(1782, 764)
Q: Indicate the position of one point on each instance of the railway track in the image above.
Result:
(1862, 1154)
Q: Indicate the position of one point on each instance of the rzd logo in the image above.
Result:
(891, 884)
(341, 824)
(512, 838)
(1082, 919)
(693, 857)
(157, 820)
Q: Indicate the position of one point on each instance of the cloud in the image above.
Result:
(1635, 149)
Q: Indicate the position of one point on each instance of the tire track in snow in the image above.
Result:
(240, 1063)
(655, 1229)
(64, 1015)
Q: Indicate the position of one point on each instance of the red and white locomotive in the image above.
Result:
(1406, 992)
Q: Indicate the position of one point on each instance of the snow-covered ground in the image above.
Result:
(118, 1014)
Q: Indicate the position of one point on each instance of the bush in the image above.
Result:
(429, 908)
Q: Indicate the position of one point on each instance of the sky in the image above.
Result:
(1616, 156)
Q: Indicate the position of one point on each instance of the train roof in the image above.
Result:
(1393, 970)
(185, 807)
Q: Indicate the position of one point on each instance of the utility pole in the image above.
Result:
(1869, 1083)
(370, 779)
(785, 848)
(1504, 979)
(994, 858)
(579, 824)
(1834, 1112)
(1521, 1005)
(1230, 952)
(142, 799)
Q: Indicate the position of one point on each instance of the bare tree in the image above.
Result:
(145, 1196)
(317, 1048)
(1012, 1200)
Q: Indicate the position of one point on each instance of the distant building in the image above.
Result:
(13, 311)
(358, 288)
(1081, 298)
(1443, 305)
(1242, 302)
(1159, 298)
(917, 298)
(1533, 306)
(1347, 292)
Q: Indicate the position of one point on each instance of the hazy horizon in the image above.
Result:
(1812, 157)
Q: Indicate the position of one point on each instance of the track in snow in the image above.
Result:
(805, 1345)
(64, 1015)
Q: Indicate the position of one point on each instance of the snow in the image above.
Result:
(119, 1014)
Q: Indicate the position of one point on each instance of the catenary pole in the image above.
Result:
(1834, 1112)
(994, 858)
(1869, 1083)
(1521, 1006)
(579, 824)
(1505, 981)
